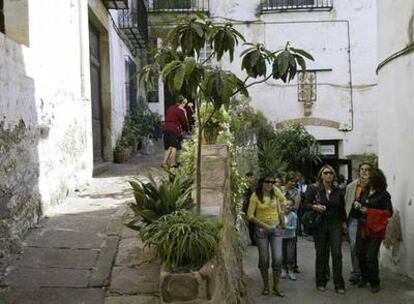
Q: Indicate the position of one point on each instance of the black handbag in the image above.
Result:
(311, 220)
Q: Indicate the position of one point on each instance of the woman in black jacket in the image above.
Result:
(375, 208)
(328, 201)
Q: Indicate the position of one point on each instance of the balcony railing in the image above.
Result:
(296, 5)
(134, 23)
(116, 4)
(179, 5)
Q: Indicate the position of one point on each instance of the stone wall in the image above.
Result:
(228, 286)
(46, 148)
(19, 193)
(221, 279)
(19, 135)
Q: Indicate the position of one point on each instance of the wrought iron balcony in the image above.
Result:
(296, 5)
(116, 4)
(178, 6)
(133, 22)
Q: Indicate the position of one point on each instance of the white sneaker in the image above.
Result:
(283, 274)
(292, 276)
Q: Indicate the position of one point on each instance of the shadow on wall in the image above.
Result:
(20, 206)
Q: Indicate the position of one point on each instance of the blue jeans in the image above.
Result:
(289, 252)
(274, 239)
(352, 232)
(329, 235)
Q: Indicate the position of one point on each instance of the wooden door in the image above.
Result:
(97, 125)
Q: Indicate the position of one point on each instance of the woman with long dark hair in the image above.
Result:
(328, 201)
(375, 208)
(265, 211)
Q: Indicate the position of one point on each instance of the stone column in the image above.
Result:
(215, 170)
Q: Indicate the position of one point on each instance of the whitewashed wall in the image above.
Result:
(396, 122)
(119, 53)
(328, 36)
(45, 107)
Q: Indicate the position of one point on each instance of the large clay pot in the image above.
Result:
(121, 156)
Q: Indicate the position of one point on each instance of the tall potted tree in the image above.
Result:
(197, 81)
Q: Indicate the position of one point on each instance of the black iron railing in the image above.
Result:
(134, 23)
(286, 5)
(116, 4)
(179, 5)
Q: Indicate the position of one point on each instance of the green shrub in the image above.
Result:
(184, 241)
(121, 145)
(155, 199)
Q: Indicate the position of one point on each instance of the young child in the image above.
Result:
(288, 245)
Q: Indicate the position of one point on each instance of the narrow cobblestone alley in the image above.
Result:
(83, 253)
(396, 289)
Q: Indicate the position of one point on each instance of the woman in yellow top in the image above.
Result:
(265, 211)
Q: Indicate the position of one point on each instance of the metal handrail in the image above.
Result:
(285, 5)
(179, 5)
(134, 21)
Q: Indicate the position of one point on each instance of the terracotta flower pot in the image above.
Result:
(121, 156)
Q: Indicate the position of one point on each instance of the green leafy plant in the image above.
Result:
(184, 241)
(215, 121)
(187, 158)
(296, 146)
(270, 162)
(121, 145)
(183, 75)
(129, 131)
(154, 199)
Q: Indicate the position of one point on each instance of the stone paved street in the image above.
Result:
(83, 253)
(396, 289)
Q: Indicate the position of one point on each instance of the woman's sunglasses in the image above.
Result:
(270, 182)
(327, 172)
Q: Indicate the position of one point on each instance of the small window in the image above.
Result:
(205, 55)
(131, 85)
(307, 86)
(2, 28)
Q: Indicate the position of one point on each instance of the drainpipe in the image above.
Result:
(82, 52)
(350, 81)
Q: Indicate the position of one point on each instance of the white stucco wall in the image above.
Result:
(47, 85)
(63, 111)
(396, 122)
(328, 36)
(119, 52)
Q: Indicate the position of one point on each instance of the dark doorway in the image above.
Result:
(131, 85)
(330, 156)
(2, 28)
(97, 125)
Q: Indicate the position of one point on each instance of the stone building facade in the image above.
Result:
(340, 109)
(47, 109)
(396, 121)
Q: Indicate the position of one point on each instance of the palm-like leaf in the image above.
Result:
(224, 39)
(255, 60)
(189, 35)
(154, 199)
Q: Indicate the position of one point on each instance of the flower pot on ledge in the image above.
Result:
(209, 136)
(194, 287)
